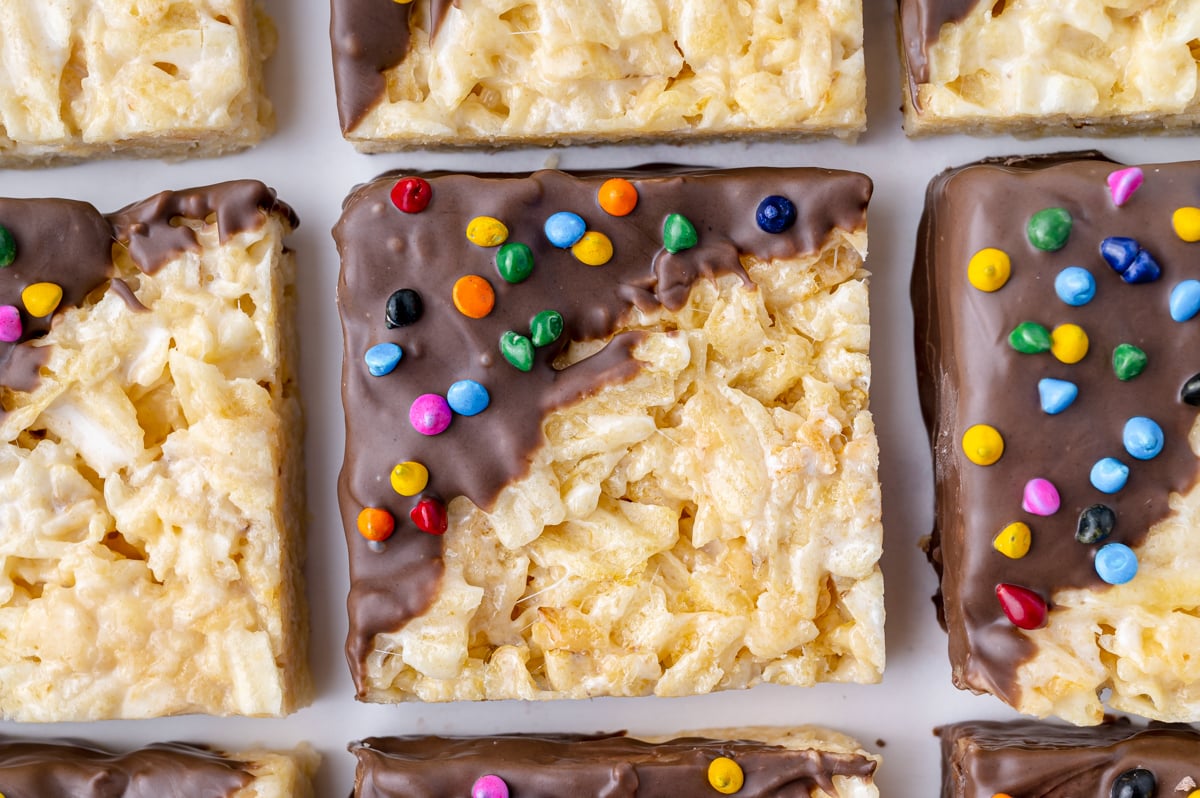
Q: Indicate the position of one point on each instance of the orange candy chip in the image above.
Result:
(375, 524)
(473, 296)
(618, 197)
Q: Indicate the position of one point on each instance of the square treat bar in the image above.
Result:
(1057, 368)
(160, 79)
(30, 769)
(480, 73)
(659, 471)
(751, 763)
(985, 759)
(1032, 67)
(150, 469)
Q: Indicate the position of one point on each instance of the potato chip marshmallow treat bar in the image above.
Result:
(608, 434)
(150, 471)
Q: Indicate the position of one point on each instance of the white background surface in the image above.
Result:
(313, 169)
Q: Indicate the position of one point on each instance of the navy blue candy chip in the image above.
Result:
(775, 214)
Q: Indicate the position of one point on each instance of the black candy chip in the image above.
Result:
(1095, 524)
(1135, 783)
(1191, 391)
(404, 307)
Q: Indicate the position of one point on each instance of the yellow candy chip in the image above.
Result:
(725, 775)
(484, 231)
(989, 269)
(1013, 540)
(1186, 222)
(594, 249)
(982, 444)
(1069, 343)
(409, 478)
(1194, 794)
(41, 299)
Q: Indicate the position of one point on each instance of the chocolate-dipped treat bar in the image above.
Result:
(149, 458)
(473, 73)
(37, 769)
(163, 80)
(1054, 300)
(1028, 759)
(751, 763)
(1033, 67)
(608, 435)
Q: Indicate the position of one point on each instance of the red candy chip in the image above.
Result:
(411, 194)
(430, 516)
(1026, 609)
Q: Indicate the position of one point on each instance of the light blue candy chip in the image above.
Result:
(1185, 300)
(1075, 285)
(1116, 563)
(1109, 475)
(564, 229)
(1056, 395)
(1143, 438)
(468, 398)
(381, 359)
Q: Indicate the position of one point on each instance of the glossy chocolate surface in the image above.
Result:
(70, 244)
(1029, 759)
(384, 250)
(552, 766)
(968, 374)
(44, 769)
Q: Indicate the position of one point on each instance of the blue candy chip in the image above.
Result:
(1075, 285)
(1143, 438)
(1116, 563)
(1056, 395)
(564, 229)
(468, 398)
(1185, 300)
(1119, 252)
(1144, 269)
(775, 214)
(381, 359)
(1109, 475)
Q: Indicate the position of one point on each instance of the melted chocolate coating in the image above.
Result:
(1028, 759)
(384, 250)
(968, 374)
(166, 770)
(921, 23)
(370, 37)
(70, 243)
(551, 766)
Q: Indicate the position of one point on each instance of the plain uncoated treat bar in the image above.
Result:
(159, 79)
(149, 459)
(1036, 67)
(675, 495)
(480, 74)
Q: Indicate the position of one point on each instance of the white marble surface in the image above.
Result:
(313, 169)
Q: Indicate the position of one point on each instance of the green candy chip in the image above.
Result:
(1049, 229)
(1128, 361)
(514, 261)
(8, 247)
(1030, 338)
(678, 234)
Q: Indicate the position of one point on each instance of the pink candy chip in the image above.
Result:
(489, 786)
(1041, 497)
(430, 414)
(1123, 182)
(10, 324)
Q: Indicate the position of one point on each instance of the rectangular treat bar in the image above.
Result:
(983, 759)
(751, 763)
(31, 769)
(1034, 67)
(474, 73)
(678, 495)
(149, 79)
(1076, 514)
(150, 474)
